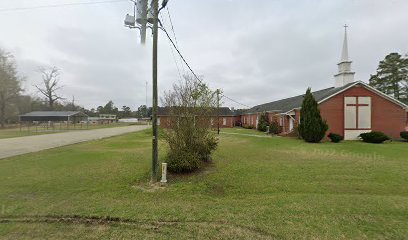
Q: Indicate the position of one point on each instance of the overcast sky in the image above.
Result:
(255, 51)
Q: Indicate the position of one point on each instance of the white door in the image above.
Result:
(290, 124)
(257, 122)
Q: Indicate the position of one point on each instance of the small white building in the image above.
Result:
(128, 120)
(107, 118)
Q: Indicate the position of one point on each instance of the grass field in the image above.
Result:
(256, 188)
(41, 130)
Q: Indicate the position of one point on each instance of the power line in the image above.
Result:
(59, 5)
(172, 53)
(174, 32)
(222, 95)
(178, 51)
(172, 26)
(191, 70)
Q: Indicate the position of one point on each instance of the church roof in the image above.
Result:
(288, 104)
(222, 111)
(52, 114)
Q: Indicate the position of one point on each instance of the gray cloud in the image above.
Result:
(255, 51)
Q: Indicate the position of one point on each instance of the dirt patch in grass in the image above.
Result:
(223, 228)
(150, 187)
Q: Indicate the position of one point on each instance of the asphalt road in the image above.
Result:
(10, 147)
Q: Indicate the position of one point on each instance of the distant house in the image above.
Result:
(93, 120)
(226, 118)
(350, 107)
(103, 119)
(54, 116)
(107, 118)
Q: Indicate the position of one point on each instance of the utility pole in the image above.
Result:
(218, 111)
(140, 21)
(73, 103)
(155, 8)
(146, 95)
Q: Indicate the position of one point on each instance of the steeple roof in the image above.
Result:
(344, 75)
(344, 53)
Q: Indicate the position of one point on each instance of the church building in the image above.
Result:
(349, 107)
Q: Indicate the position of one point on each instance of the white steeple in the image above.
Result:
(345, 75)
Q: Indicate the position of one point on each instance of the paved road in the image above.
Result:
(16, 146)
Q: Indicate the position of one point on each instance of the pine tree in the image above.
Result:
(392, 77)
(263, 122)
(311, 127)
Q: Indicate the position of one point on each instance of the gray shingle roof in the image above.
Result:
(287, 104)
(51, 114)
(223, 111)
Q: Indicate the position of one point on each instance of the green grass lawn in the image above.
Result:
(256, 188)
(41, 130)
(240, 130)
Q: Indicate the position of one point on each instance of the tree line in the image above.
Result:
(15, 101)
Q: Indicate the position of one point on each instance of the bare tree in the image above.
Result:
(50, 85)
(9, 84)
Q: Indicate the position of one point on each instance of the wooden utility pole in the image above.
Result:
(218, 111)
(146, 97)
(155, 8)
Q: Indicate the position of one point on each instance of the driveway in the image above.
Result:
(16, 146)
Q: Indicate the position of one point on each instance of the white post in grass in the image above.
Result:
(164, 173)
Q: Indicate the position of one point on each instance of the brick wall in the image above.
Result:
(386, 116)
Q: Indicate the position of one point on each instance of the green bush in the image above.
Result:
(262, 127)
(182, 161)
(335, 137)
(263, 122)
(190, 106)
(188, 151)
(374, 137)
(404, 135)
(274, 127)
(312, 128)
(204, 146)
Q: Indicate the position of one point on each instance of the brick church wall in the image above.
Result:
(386, 116)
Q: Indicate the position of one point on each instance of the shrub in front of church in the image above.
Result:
(181, 161)
(404, 135)
(374, 137)
(312, 128)
(263, 122)
(190, 140)
(335, 137)
(274, 128)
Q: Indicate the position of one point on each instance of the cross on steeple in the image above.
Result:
(345, 75)
(344, 54)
